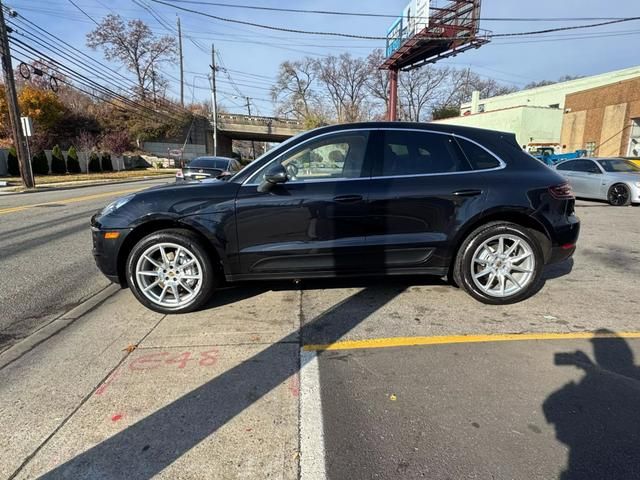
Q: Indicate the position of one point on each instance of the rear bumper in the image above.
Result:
(564, 240)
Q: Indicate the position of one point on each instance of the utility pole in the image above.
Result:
(181, 64)
(392, 113)
(214, 101)
(153, 83)
(253, 143)
(12, 103)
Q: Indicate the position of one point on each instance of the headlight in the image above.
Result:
(116, 204)
(637, 184)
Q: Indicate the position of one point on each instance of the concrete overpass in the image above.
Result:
(245, 127)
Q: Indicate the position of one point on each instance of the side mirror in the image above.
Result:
(276, 174)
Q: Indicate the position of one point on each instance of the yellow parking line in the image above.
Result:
(69, 200)
(450, 339)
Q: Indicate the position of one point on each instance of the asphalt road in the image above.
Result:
(413, 379)
(45, 254)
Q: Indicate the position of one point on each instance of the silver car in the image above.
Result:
(613, 179)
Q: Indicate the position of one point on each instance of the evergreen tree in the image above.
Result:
(94, 163)
(58, 164)
(12, 163)
(39, 164)
(105, 161)
(73, 164)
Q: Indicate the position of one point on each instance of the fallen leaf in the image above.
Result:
(393, 397)
(130, 348)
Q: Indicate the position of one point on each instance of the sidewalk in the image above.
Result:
(211, 394)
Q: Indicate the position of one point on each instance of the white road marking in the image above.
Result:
(312, 456)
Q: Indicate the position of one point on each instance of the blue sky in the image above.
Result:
(252, 55)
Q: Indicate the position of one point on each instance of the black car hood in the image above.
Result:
(172, 201)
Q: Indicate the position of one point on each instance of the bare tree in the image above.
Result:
(420, 90)
(378, 80)
(134, 45)
(294, 89)
(462, 83)
(344, 79)
(86, 142)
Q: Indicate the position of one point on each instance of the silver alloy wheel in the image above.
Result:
(503, 265)
(169, 275)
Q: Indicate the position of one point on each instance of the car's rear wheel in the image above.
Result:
(169, 271)
(499, 263)
(619, 195)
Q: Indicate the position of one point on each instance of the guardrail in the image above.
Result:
(257, 120)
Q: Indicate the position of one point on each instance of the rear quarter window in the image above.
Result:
(479, 158)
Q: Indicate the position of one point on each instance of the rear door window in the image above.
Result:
(419, 153)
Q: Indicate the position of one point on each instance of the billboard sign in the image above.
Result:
(415, 18)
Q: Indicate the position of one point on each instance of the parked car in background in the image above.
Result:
(398, 199)
(202, 168)
(634, 160)
(615, 180)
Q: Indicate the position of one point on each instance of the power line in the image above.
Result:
(52, 63)
(369, 37)
(383, 15)
(85, 13)
(72, 57)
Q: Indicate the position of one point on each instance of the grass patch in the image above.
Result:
(83, 177)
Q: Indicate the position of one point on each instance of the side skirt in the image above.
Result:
(436, 271)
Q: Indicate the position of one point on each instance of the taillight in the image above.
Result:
(562, 192)
(179, 174)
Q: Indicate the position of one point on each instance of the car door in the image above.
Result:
(592, 180)
(574, 171)
(418, 197)
(315, 221)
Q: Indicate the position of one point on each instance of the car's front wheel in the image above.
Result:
(169, 271)
(499, 263)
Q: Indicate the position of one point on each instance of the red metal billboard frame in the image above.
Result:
(452, 29)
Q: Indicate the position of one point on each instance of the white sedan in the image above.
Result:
(613, 179)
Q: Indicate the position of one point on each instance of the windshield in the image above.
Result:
(618, 166)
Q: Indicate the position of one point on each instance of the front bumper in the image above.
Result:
(106, 251)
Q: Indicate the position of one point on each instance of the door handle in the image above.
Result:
(467, 193)
(347, 198)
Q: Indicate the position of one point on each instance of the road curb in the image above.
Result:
(52, 328)
(85, 185)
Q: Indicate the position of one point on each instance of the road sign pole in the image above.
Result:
(12, 103)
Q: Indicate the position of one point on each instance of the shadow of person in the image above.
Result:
(599, 417)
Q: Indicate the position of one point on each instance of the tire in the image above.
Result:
(192, 275)
(619, 195)
(477, 255)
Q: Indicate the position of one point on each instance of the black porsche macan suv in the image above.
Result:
(357, 199)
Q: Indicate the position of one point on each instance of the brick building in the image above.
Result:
(604, 120)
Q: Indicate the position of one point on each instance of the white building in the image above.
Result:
(534, 115)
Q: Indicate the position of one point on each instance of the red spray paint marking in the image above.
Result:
(162, 359)
(102, 388)
(294, 385)
(116, 417)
